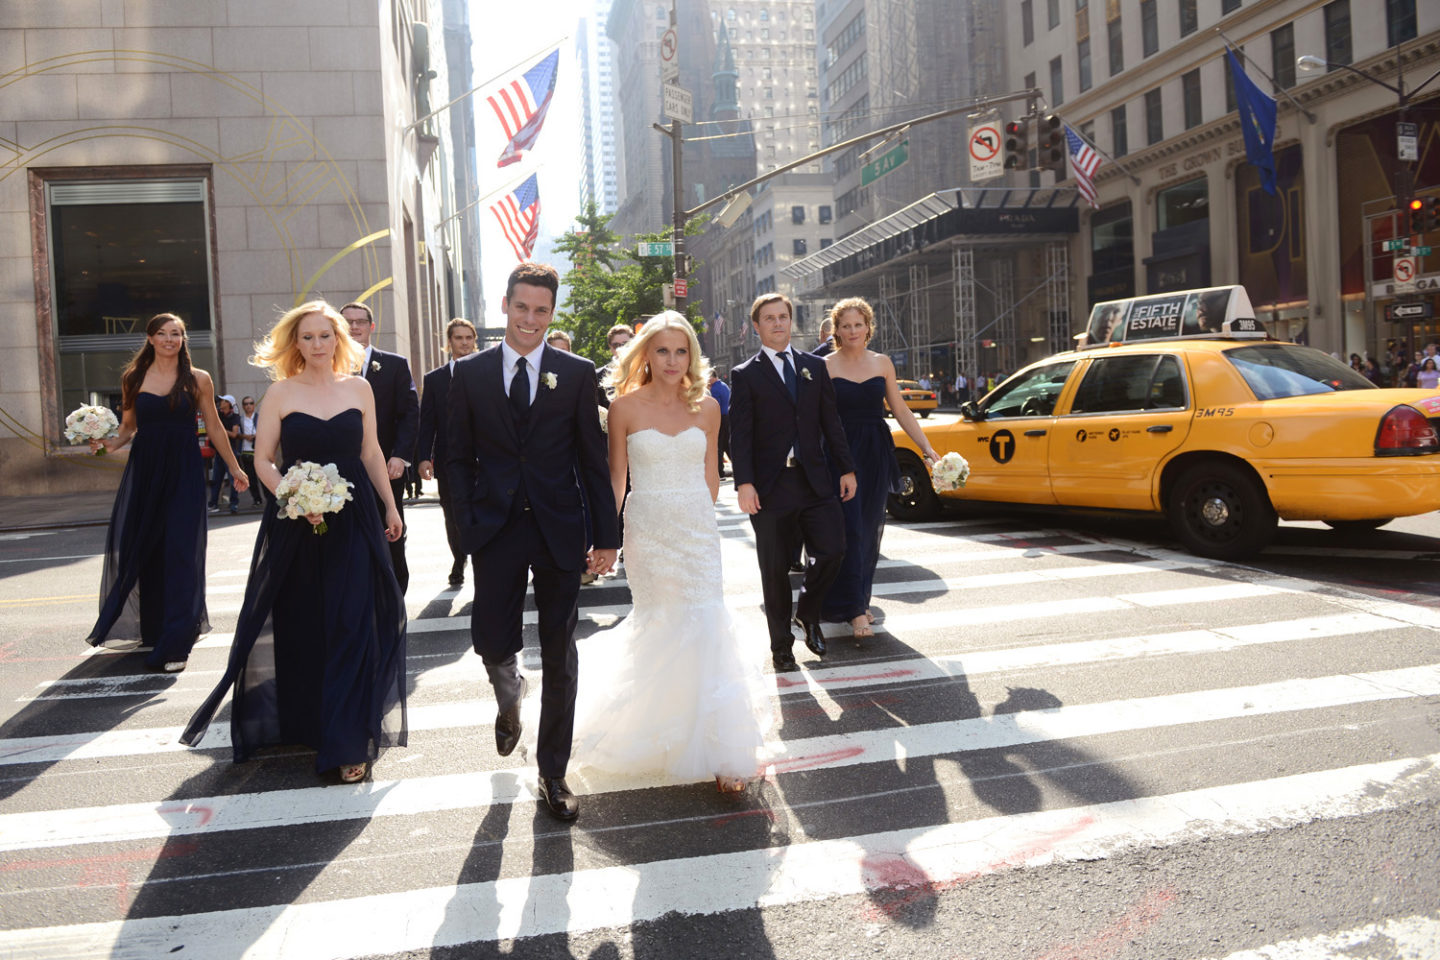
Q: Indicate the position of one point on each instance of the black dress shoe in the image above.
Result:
(457, 573)
(814, 637)
(507, 724)
(784, 663)
(797, 567)
(561, 803)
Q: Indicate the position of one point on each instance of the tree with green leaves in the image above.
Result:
(609, 285)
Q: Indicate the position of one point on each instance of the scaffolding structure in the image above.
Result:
(962, 261)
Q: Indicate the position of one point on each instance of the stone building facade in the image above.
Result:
(220, 159)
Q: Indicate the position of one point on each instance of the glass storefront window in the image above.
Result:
(1182, 203)
(1112, 240)
(122, 251)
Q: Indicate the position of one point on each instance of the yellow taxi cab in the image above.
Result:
(1181, 404)
(917, 398)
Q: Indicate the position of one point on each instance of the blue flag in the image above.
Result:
(1257, 122)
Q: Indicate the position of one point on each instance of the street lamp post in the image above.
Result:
(1404, 178)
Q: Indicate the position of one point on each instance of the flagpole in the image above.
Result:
(1088, 142)
(1273, 85)
(487, 196)
(480, 86)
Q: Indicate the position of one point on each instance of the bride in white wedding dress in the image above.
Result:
(666, 690)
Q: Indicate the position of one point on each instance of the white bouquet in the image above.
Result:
(950, 472)
(91, 423)
(310, 488)
(604, 418)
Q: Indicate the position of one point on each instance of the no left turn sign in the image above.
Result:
(984, 148)
(1405, 269)
(668, 44)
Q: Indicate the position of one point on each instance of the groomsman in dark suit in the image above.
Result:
(782, 407)
(397, 414)
(460, 337)
(523, 444)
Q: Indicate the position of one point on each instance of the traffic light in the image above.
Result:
(1017, 144)
(1424, 214)
(1414, 216)
(1050, 144)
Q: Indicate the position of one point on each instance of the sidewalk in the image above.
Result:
(18, 514)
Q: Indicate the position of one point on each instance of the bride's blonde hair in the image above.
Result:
(631, 372)
(279, 352)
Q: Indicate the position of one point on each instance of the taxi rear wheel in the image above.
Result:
(917, 500)
(1219, 510)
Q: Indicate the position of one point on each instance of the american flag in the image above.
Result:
(521, 104)
(1084, 161)
(519, 217)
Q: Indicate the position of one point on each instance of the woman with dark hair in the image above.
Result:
(153, 584)
(864, 383)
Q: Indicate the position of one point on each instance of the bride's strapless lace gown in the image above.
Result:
(668, 690)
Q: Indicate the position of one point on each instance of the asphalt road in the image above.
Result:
(1069, 740)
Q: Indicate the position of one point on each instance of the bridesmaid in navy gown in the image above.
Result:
(864, 381)
(153, 583)
(319, 651)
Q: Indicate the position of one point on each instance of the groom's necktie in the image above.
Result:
(520, 394)
(790, 383)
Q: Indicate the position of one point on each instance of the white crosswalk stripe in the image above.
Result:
(1107, 654)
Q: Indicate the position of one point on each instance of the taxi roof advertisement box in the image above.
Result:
(1213, 311)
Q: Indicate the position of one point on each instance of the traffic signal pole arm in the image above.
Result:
(677, 143)
(1033, 94)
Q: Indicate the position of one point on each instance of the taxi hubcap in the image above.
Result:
(1215, 512)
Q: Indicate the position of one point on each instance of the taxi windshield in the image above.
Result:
(1277, 370)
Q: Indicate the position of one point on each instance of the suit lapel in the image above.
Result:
(494, 389)
(543, 392)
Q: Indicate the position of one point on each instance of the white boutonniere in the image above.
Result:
(375, 366)
(805, 372)
(549, 379)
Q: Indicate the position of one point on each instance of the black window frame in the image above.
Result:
(1282, 56)
(1119, 132)
(1339, 42)
(1154, 117)
(1400, 23)
(1057, 81)
(1027, 22)
(1188, 17)
(1190, 97)
(1149, 29)
(1082, 64)
(1116, 46)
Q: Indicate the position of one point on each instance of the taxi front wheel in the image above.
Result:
(1219, 510)
(917, 500)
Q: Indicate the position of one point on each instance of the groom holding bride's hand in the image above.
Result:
(782, 404)
(523, 436)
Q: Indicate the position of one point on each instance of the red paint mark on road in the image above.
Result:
(205, 814)
(897, 883)
(1110, 940)
(816, 760)
(111, 869)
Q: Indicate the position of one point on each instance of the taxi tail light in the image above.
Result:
(1404, 431)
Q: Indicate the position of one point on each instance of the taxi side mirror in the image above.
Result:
(970, 411)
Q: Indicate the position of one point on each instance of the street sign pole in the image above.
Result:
(677, 153)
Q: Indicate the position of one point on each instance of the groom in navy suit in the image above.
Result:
(523, 437)
(782, 406)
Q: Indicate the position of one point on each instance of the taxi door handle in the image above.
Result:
(1035, 433)
(1160, 428)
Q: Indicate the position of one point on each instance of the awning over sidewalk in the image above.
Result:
(980, 213)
